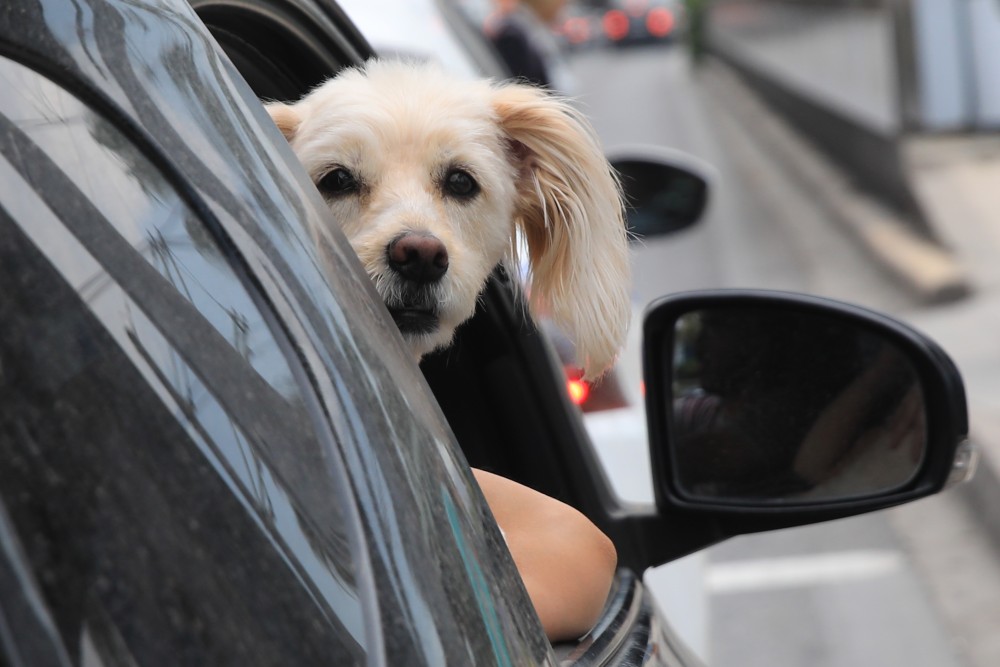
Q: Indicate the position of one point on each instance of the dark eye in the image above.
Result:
(338, 182)
(460, 184)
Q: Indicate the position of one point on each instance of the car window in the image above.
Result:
(161, 467)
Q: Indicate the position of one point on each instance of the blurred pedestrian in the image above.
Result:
(522, 33)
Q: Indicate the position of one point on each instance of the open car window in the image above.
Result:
(499, 385)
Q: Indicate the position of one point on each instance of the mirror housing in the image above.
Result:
(769, 410)
(665, 190)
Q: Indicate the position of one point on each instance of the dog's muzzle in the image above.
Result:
(419, 261)
(418, 258)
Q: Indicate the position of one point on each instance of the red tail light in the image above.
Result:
(578, 390)
(659, 22)
(615, 24)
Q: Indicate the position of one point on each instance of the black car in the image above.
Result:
(216, 449)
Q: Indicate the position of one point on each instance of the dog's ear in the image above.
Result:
(571, 214)
(286, 117)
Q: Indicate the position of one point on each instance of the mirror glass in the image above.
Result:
(790, 406)
(661, 198)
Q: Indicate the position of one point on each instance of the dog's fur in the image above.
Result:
(396, 134)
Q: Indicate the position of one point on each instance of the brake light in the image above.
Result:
(615, 24)
(659, 22)
(578, 390)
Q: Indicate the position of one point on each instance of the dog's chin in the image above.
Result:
(423, 330)
(425, 317)
(415, 322)
(422, 343)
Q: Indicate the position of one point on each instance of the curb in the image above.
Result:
(927, 269)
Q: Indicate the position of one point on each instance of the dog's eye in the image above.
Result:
(338, 182)
(460, 184)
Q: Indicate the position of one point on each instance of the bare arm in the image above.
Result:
(567, 564)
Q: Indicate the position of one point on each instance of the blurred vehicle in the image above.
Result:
(217, 449)
(638, 22)
(579, 28)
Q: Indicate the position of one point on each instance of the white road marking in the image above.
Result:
(793, 571)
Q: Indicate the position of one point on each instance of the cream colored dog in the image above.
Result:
(431, 176)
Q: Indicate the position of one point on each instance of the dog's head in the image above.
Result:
(430, 177)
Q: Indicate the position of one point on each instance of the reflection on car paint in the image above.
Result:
(249, 464)
(249, 194)
(474, 572)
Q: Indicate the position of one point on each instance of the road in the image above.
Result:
(873, 590)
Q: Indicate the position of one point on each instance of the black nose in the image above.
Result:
(421, 258)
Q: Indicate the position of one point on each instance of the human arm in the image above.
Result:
(567, 564)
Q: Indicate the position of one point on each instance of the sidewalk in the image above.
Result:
(956, 181)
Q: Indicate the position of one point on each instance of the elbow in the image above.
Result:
(586, 568)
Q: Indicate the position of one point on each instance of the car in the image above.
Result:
(217, 450)
(638, 22)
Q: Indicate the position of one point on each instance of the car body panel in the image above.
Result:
(632, 631)
(199, 124)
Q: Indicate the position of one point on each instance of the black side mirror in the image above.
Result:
(665, 191)
(769, 410)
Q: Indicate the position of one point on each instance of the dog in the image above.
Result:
(431, 177)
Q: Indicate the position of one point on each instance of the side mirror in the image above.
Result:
(769, 410)
(665, 190)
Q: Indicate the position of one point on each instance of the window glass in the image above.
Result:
(161, 464)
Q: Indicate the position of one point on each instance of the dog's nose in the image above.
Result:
(421, 258)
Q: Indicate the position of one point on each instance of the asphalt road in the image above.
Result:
(894, 589)
(760, 230)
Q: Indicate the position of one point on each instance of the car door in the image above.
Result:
(162, 479)
(218, 450)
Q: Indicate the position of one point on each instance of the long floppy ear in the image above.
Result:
(570, 212)
(285, 117)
